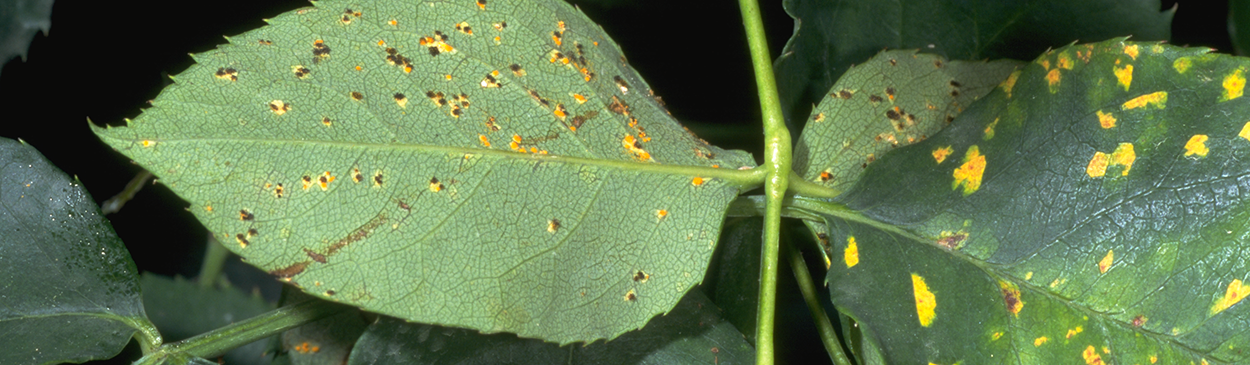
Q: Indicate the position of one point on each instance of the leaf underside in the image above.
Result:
(68, 289)
(1093, 209)
(496, 166)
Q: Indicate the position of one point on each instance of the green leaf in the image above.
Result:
(1239, 26)
(68, 289)
(19, 20)
(895, 99)
(734, 280)
(693, 333)
(830, 36)
(181, 309)
(312, 148)
(1102, 219)
(325, 341)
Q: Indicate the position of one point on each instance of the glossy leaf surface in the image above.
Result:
(895, 99)
(495, 166)
(1093, 211)
(693, 333)
(68, 289)
(831, 35)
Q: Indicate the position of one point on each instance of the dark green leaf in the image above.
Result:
(693, 333)
(68, 289)
(19, 20)
(326, 341)
(734, 280)
(1239, 26)
(829, 36)
(518, 199)
(895, 99)
(1093, 210)
(181, 309)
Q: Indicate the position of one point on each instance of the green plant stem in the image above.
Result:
(214, 258)
(224, 339)
(828, 335)
(807, 188)
(148, 337)
(777, 164)
(114, 204)
(754, 206)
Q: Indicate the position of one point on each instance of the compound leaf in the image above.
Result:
(895, 99)
(490, 165)
(1094, 210)
(831, 35)
(68, 289)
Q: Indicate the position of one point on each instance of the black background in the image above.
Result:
(104, 60)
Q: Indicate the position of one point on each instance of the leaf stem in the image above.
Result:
(777, 164)
(224, 339)
(214, 258)
(799, 186)
(828, 335)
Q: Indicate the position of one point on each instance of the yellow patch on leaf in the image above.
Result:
(1235, 293)
(925, 300)
(969, 174)
(1131, 51)
(1106, 262)
(1182, 64)
(1011, 297)
(1052, 78)
(1010, 82)
(1074, 332)
(1098, 165)
(1234, 84)
(1124, 155)
(1106, 120)
(996, 336)
(989, 130)
(1065, 61)
(1124, 75)
(1091, 356)
(1158, 99)
(1040, 340)
(940, 154)
(1245, 131)
(851, 254)
(1197, 145)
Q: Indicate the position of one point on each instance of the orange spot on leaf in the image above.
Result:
(969, 174)
(1157, 99)
(1106, 120)
(1124, 75)
(850, 254)
(940, 154)
(926, 301)
(1235, 293)
(1197, 146)
(1106, 262)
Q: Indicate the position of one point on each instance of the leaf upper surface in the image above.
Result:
(68, 289)
(831, 35)
(1087, 214)
(496, 166)
(895, 99)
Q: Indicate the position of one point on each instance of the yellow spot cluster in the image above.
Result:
(1052, 78)
(940, 154)
(1157, 99)
(1182, 64)
(1010, 82)
(989, 130)
(1124, 155)
(1106, 262)
(1124, 75)
(1235, 293)
(851, 253)
(1106, 120)
(969, 174)
(1074, 332)
(1091, 356)
(1011, 296)
(1245, 131)
(1097, 166)
(1040, 340)
(926, 302)
(1234, 84)
(1131, 50)
(1197, 146)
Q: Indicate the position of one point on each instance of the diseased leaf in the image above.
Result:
(68, 289)
(495, 166)
(829, 36)
(1093, 210)
(181, 309)
(895, 99)
(693, 333)
(733, 281)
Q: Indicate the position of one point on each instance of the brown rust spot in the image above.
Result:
(357, 234)
(290, 271)
(315, 256)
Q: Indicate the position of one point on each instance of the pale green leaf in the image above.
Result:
(181, 309)
(311, 148)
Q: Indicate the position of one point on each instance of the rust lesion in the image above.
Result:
(288, 272)
(952, 240)
(357, 234)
